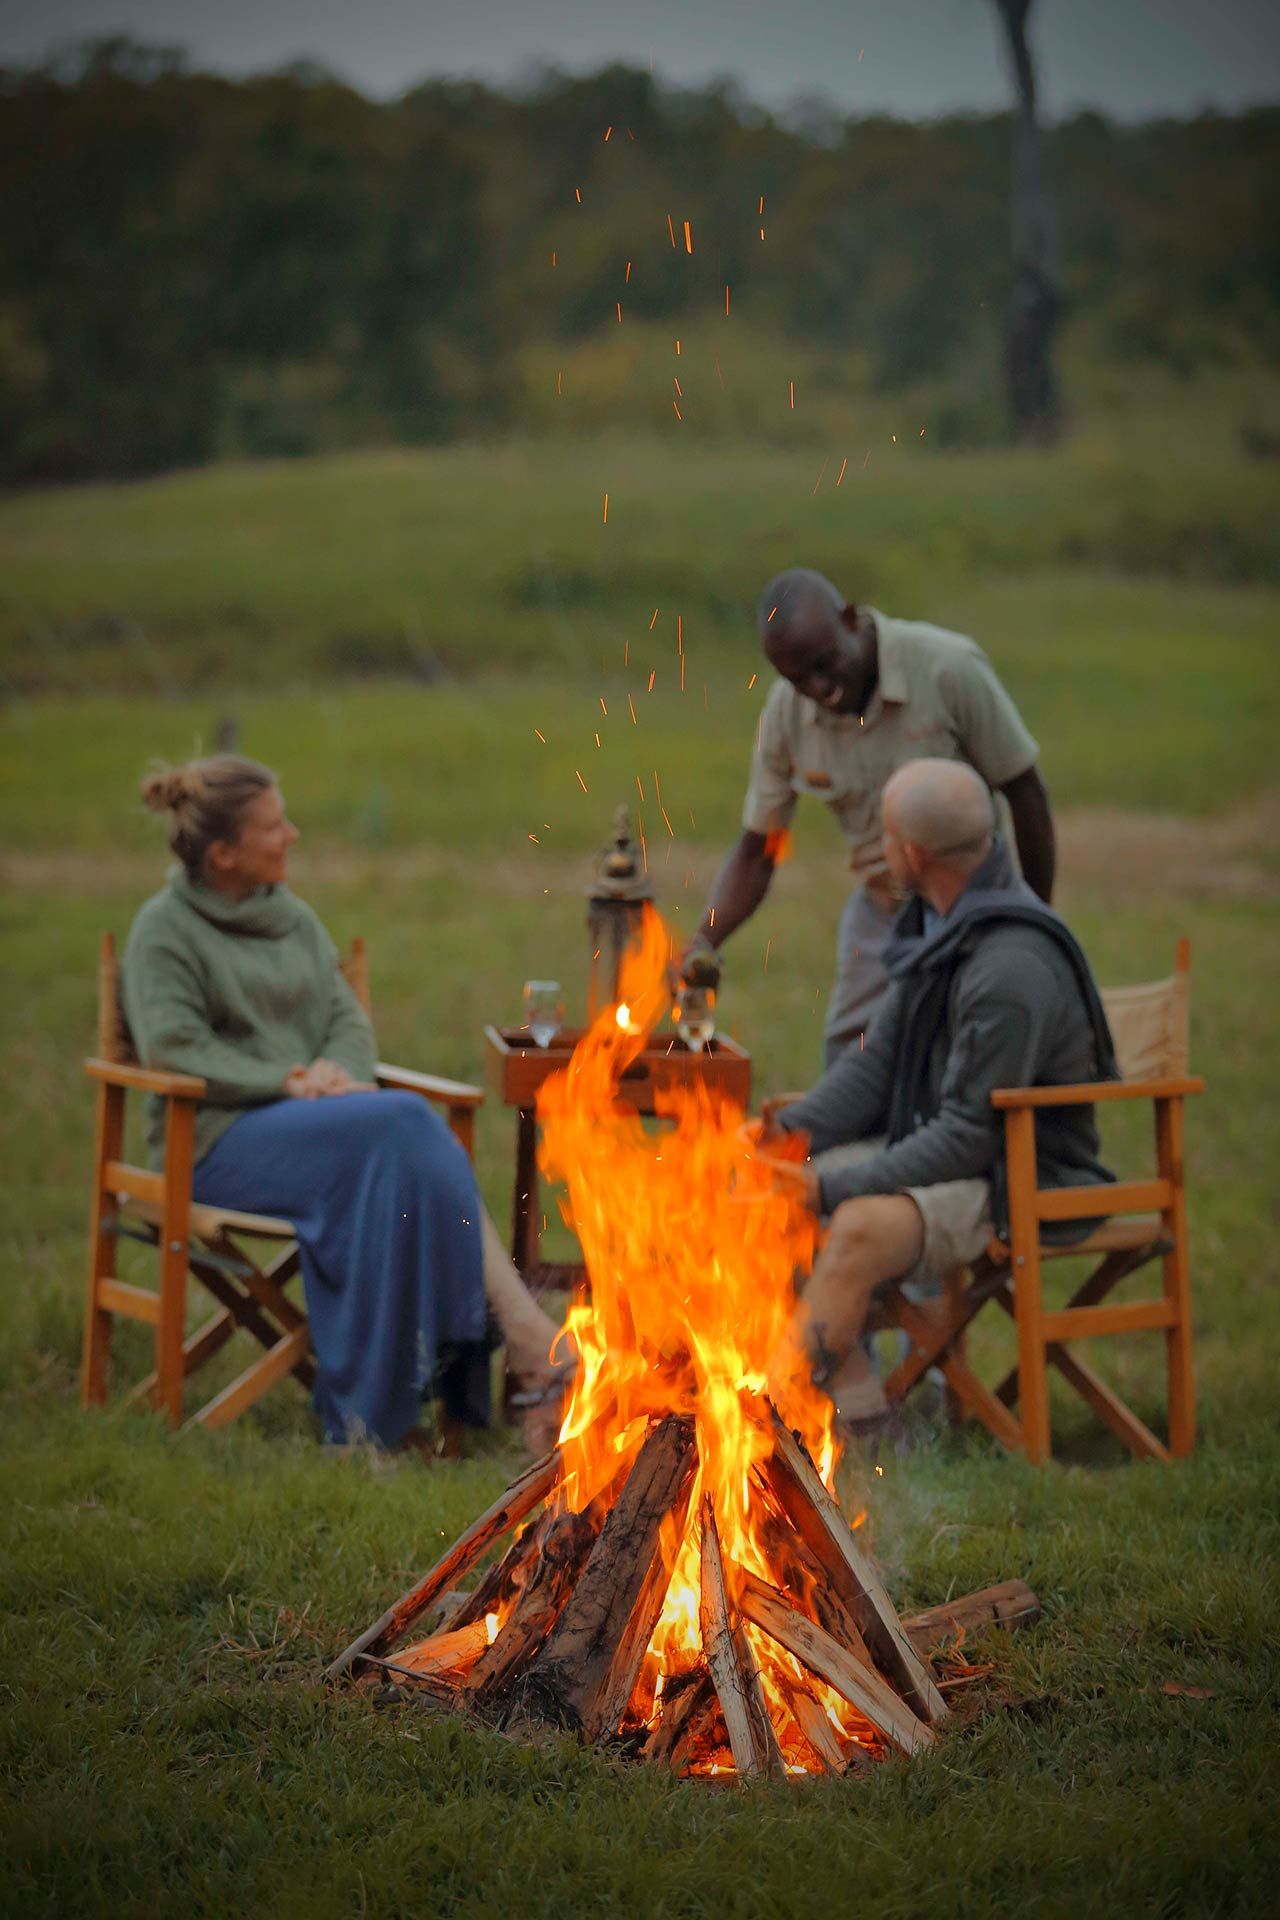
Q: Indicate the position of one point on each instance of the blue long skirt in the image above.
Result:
(387, 1214)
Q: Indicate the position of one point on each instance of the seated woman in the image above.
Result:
(228, 975)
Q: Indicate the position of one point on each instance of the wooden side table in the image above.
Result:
(515, 1067)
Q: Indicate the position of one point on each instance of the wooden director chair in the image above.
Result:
(1145, 1221)
(189, 1239)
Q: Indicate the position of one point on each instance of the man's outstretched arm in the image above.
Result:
(1033, 830)
(738, 889)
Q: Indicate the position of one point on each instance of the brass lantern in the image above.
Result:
(615, 902)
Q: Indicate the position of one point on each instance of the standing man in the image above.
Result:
(858, 696)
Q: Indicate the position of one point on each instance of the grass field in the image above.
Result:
(165, 1607)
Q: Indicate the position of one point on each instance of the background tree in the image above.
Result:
(1035, 301)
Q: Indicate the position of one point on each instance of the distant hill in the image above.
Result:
(193, 268)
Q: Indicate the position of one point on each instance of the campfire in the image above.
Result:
(680, 1578)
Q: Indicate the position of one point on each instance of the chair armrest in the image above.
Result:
(453, 1093)
(181, 1086)
(1005, 1098)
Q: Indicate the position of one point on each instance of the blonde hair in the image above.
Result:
(206, 800)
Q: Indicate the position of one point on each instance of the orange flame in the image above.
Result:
(692, 1250)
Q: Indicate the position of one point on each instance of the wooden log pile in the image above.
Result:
(809, 1671)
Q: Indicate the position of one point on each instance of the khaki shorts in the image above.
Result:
(957, 1226)
(955, 1214)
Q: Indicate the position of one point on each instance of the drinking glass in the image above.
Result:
(695, 1018)
(543, 1010)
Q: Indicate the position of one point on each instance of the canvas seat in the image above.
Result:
(244, 1261)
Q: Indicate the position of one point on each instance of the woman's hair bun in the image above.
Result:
(164, 788)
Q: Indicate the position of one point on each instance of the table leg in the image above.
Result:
(524, 1211)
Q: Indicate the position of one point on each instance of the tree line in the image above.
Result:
(192, 267)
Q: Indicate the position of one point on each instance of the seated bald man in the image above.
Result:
(988, 989)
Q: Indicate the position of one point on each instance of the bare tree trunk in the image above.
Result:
(1035, 304)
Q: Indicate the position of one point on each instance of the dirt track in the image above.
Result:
(1101, 850)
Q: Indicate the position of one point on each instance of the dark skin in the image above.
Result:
(832, 657)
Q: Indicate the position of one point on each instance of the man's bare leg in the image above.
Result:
(874, 1238)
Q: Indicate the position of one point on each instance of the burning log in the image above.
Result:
(521, 1497)
(795, 1483)
(874, 1698)
(564, 1548)
(733, 1668)
(584, 1675)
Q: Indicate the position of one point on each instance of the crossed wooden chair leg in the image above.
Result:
(251, 1298)
(938, 1340)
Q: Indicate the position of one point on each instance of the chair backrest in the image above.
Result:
(355, 971)
(1150, 1023)
(114, 1041)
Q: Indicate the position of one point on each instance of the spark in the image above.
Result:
(679, 633)
(535, 840)
(670, 829)
(607, 132)
(760, 208)
(726, 302)
(631, 704)
(682, 673)
(657, 786)
(688, 238)
(679, 389)
(618, 304)
(606, 510)
(649, 688)
(894, 438)
(559, 381)
(578, 192)
(671, 230)
(818, 482)
(791, 388)
(751, 682)
(626, 653)
(677, 349)
(676, 405)
(604, 710)
(640, 785)
(581, 782)
(692, 822)
(762, 233)
(541, 736)
(772, 611)
(843, 464)
(768, 943)
(553, 256)
(713, 916)
(922, 433)
(644, 845)
(626, 278)
(653, 623)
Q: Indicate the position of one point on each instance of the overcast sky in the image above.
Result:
(1131, 58)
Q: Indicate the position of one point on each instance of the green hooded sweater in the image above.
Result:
(239, 992)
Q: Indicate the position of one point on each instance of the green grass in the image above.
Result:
(165, 1607)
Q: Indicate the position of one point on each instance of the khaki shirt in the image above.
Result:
(937, 697)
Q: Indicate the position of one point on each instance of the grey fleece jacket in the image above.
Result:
(1014, 1016)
